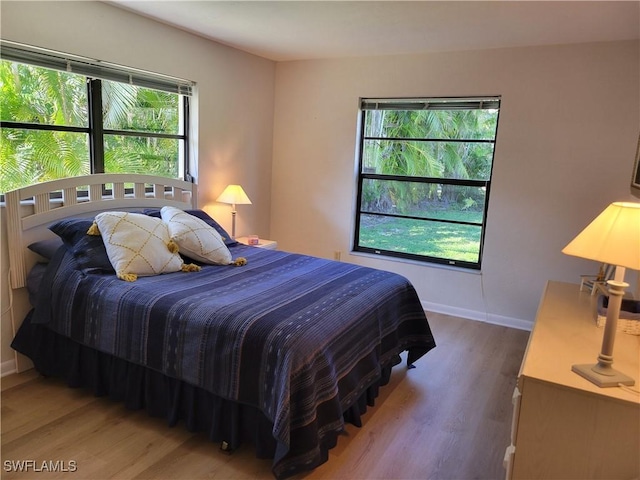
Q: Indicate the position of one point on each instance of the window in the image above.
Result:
(66, 116)
(424, 178)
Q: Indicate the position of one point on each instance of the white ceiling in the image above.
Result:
(296, 30)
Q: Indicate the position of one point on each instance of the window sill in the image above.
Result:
(408, 261)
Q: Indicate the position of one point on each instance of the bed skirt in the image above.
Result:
(139, 387)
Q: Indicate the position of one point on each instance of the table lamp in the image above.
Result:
(234, 195)
(613, 238)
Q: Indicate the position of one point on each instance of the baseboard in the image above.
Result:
(7, 368)
(501, 320)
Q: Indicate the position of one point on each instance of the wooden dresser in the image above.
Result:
(565, 427)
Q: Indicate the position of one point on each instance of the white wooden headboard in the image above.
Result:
(30, 209)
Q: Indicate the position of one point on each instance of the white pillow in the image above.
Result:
(137, 244)
(195, 238)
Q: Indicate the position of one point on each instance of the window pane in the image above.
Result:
(34, 156)
(421, 237)
(435, 124)
(40, 107)
(153, 156)
(38, 95)
(460, 160)
(426, 200)
(127, 107)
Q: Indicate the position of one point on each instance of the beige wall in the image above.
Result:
(567, 136)
(234, 105)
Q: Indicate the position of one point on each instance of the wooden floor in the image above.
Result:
(449, 418)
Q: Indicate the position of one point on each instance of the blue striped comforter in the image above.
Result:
(298, 337)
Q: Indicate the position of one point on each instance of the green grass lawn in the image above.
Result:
(434, 239)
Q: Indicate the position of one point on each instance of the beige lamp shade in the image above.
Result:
(234, 194)
(613, 237)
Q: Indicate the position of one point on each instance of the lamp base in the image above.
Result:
(602, 377)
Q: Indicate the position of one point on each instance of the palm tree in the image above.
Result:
(40, 96)
(135, 109)
(432, 159)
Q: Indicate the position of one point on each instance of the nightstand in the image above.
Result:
(268, 244)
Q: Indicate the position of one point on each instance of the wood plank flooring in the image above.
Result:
(449, 418)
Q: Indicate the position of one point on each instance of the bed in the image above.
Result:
(279, 352)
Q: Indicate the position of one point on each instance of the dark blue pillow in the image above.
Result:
(202, 215)
(88, 250)
(46, 248)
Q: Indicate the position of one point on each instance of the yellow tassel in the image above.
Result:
(173, 246)
(240, 261)
(190, 267)
(128, 277)
(93, 229)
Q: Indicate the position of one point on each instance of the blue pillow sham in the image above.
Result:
(88, 250)
(46, 248)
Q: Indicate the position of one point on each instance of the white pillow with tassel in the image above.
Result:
(138, 245)
(195, 238)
